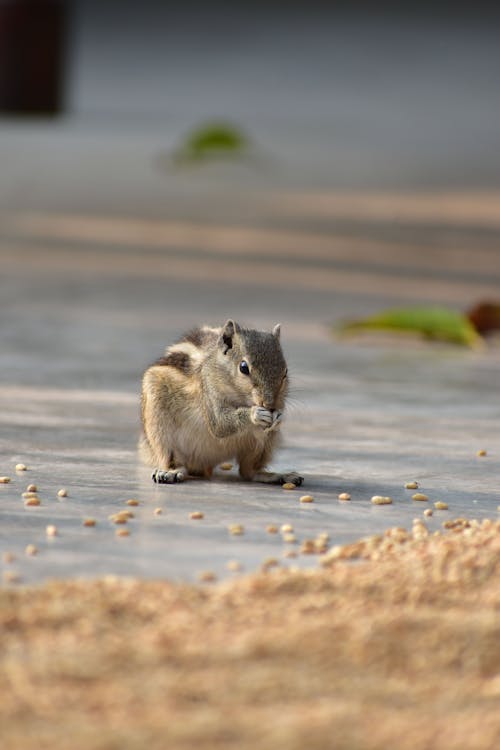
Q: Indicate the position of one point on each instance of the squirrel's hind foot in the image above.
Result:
(271, 477)
(292, 477)
(172, 476)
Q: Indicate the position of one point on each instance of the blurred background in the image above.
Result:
(367, 170)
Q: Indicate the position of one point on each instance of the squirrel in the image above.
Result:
(215, 395)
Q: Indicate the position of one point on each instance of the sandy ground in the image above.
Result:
(392, 642)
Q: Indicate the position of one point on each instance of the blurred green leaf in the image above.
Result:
(431, 322)
(212, 140)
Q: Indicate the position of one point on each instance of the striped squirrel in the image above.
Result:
(216, 394)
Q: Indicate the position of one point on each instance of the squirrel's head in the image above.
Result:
(257, 365)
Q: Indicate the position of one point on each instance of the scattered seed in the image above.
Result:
(51, 530)
(132, 502)
(345, 496)
(419, 530)
(287, 528)
(32, 500)
(89, 522)
(308, 547)
(236, 529)
(196, 514)
(290, 553)
(121, 517)
(8, 557)
(272, 529)
(411, 486)
(63, 492)
(381, 500)
(207, 576)
(21, 467)
(158, 511)
(428, 511)
(122, 532)
(288, 486)
(419, 496)
(26, 495)
(440, 505)
(306, 499)
(31, 550)
(482, 453)
(10, 576)
(270, 562)
(31, 488)
(234, 566)
(4, 480)
(226, 467)
(320, 545)
(289, 538)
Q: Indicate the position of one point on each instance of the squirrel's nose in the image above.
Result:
(268, 405)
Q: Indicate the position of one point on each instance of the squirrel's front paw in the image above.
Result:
(277, 417)
(261, 416)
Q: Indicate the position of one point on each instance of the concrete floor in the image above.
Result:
(374, 181)
(90, 297)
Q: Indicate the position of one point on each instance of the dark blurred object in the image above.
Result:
(485, 316)
(32, 56)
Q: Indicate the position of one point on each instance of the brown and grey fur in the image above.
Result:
(199, 410)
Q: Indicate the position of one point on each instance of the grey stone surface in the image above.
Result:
(375, 184)
(364, 418)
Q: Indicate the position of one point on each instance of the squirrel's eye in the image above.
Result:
(244, 368)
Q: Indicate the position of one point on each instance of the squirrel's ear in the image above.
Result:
(277, 330)
(227, 334)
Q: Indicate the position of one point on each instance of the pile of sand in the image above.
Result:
(393, 642)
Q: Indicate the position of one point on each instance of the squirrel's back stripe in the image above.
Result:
(188, 352)
(200, 337)
(180, 360)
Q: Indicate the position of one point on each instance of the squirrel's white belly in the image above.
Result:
(196, 446)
